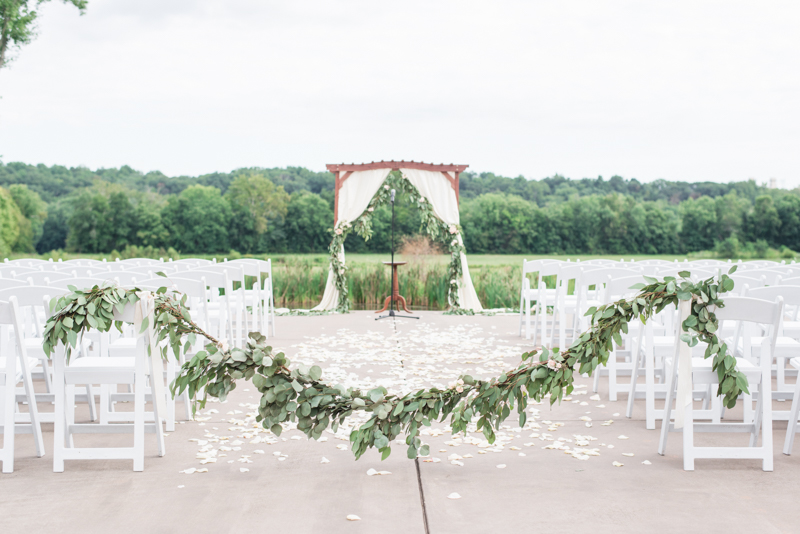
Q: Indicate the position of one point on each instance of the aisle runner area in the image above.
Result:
(420, 355)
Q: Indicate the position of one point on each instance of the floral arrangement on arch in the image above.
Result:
(434, 227)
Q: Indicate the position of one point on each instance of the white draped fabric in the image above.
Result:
(440, 193)
(354, 197)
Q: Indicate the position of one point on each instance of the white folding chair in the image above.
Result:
(751, 313)
(134, 371)
(15, 368)
(786, 347)
(528, 295)
(618, 289)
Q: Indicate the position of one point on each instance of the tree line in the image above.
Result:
(257, 210)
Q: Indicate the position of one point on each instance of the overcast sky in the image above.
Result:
(681, 90)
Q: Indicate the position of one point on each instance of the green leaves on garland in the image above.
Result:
(433, 226)
(299, 395)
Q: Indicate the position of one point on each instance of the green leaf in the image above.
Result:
(159, 273)
(685, 274)
(315, 372)
(145, 324)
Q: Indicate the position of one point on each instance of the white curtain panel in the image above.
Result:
(354, 197)
(440, 193)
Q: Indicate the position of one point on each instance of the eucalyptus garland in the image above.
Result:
(299, 394)
(434, 227)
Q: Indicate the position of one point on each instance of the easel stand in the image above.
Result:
(395, 283)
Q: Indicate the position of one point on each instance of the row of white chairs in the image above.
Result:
(104, 361)
(759, 322)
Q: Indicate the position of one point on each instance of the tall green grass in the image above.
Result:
(300, 283)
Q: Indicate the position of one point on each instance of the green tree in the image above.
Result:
(764, 221)
(34, 212)
(308, 221)
(256, 204)
(698, 224)
(198, 220)
(788, 207)
(18, 23)
(9, 221)
(88, 223)
(56, 226)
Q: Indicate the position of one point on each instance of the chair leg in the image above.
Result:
(766, 419)
(138, 416)
(612, 375)
(662, 443)
(33, 408)
(791, 428)
(171, 374)
(688, 438)
(59, 424)
(7, 404)
(632, 389)
(70, 389)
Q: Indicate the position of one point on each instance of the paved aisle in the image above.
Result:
(539, 490)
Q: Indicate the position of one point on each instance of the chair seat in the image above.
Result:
(32, 362)
(101, 370)
(702, 371)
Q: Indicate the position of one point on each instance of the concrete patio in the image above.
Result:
(538, 490)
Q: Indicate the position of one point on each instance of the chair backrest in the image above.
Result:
(6, 283)
(12, 271)
(772, 277)
(600, 262)
(140, 262)
(619, 288)
(217, 280)
(791, 281)
(654, 262)
(80, 283)
(740, 281)
(592, 277)
(44, 278)
(747, 311)
(790, 294)
(81, 271)
(125, 278)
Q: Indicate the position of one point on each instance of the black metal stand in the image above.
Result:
(394, 271)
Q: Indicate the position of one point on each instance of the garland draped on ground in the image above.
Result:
(299, 394)
(437, 229)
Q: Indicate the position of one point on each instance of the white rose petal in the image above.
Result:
(617, 464)
(622, 437)
(647, 462)
(371, 472)
(243, 470)
(501, 466)
(627, 454)
(454, 496)
(325, 461)
(353, 517)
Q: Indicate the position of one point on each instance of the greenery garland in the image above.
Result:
(438, 230)
(300, 395)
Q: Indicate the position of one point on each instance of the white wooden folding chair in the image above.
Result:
(220, 308)
(527, 294)
(134, 371)
(15, 368)
(751, 313)
(786, 347)
(621, 362)
(34, 310)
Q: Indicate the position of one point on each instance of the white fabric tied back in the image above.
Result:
(440, 193)
(354, 197)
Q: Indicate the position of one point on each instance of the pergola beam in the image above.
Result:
(342, 171)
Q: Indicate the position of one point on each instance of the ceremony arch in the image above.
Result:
(358, 192)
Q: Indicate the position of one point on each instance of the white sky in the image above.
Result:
(682, 90)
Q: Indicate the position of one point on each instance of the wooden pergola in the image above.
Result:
(342, 171)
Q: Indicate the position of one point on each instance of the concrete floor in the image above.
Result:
(542, 491)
